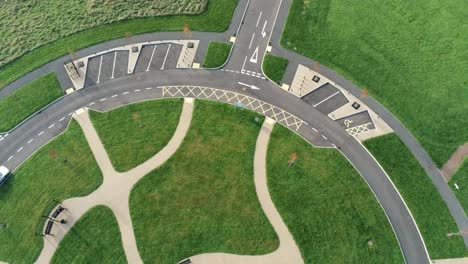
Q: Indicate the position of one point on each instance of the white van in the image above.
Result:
(4, 173)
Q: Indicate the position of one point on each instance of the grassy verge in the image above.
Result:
(27, 100)
(203, 199)
(461, 179)
(95, 238)
(426, 205)
(216, 17)
(134, 133)
(329, 209)
(275, 67)
(217, 54)
(412, 62)
(62, 169)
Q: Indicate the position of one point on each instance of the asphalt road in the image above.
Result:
(244, 70)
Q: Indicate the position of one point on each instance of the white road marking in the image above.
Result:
(324, 137)
(137, 90)
(51, 126)
(315, 105)
(125, 92)
(254, 57)
(31, 140)
(42, 132)
(99, 73)
(313, 128)
(61, 119)
(91, 103)
(103, 99)
(9, 158)
(70, 114)
(151, 59)
(258, 21)
(334, 145)
(149, 88)
(20, 149)
(263, 29)
(115, 95)
(253, 87)
(245, 59)
(113, 66)
(251, 40)
(247, 74)
(167, 53)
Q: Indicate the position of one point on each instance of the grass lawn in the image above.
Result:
(203, 199)
(95, 238)
(426, 205)
(217, 54)
(27, 100)
(216, 17)
(62, 169)
(326, 204)
(275, 67)
(461, 179)
(132, 134)
(411, 55)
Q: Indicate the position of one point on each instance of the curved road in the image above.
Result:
(259, 20)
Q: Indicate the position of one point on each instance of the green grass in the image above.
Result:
(217, 54)
(203, 199)
(32, 23)
(134, 133)
(275, 67)
(62, 169)
(27, 100)
(461, 179)
(410, 55)
(95, 238)
(421, 196)
(216, 17)
(326, 205)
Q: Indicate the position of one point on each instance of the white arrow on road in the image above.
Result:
(253, 87)
(263, 29)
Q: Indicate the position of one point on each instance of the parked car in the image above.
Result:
(4, 173)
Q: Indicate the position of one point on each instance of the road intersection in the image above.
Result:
(109, 87)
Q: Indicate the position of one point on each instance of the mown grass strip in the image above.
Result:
(275, 67)
(217, 54)
(460, 178)
(429, 210)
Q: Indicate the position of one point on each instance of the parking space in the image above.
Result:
(327, 98)
(106, 67)
(158, 57)
(356, 120)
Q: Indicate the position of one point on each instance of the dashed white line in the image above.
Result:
(19, 149)
(151, 59)
(99, 73)
(115, 95)
(70, 114)
(31, 140)
(313, 128)
(125, 92)
(137, 90)
(91, 103)
(9, 158)
(42, 132)
(324, 137)
(165, 58)
(113, 66)
(51, 126)
(315, 105)
(149, 88)
(103, 99)
(61, 119)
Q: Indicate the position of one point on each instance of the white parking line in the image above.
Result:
(313, 128)
(9, 158)
(151, 59)
(99, 73)
(324, 137)
(315, 105)
(31, 140)
(167, 53)
(113, 66)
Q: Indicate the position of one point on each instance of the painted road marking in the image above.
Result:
(125, 92)
(31, 140)
(254, 57)
(103, 99)
(263, 29)
(91, 103)
(61, 119)
(253, 87)
(149, 88)
(251, 40)
(9, 158)
(315, 105)
(258, 21)
(243, 65)
(20, 149)
(137, 90)
(99, 73)
(42, 132)
(113, 66)
(51, 126)
(114, 96)
(151, 58)
(324, 137)
(313, 128)
(165, 58)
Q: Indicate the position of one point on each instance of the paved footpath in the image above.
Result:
(116, 187)
(287, 252)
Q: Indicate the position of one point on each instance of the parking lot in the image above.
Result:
(359, 119)
(114, 64)
(327, 98)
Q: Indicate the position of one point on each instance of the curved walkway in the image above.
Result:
(287, 252)
(116, 187)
